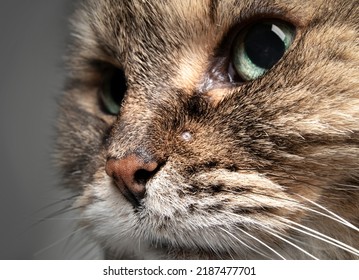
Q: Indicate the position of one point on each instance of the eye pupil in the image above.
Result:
(263, 45)
(113, 91)
(118, 86)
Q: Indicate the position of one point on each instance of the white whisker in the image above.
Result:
(318, 235)
(214, 250)
(272, 232)
(263, 243)
(245, 244)
(343, 221)
(328, 216)
(346, 187)
(58, 241)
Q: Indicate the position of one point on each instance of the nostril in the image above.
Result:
(131, 174)
(142, 176)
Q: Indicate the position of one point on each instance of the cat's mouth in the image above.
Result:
(215, 206)
(135, 201)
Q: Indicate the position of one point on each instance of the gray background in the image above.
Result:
(34, 35)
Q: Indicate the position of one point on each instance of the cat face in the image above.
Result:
(214, 129)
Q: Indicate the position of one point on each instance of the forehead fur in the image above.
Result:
(140, 36)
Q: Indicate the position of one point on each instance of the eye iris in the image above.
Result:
(261, 46)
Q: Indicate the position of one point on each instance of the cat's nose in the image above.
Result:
(131, 174)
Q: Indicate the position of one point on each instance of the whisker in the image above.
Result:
(320, 236)
(328, 216)
(82, 247)
(61, 211)
(215, 251)
(72, 197)
(345, 187)
(58, 219)
(263, 243)
(91, 253)
(58, 241)
(70, 239)
(343, 221)
(272, 232)
(294, 179)
(245, 244)
(266, 195)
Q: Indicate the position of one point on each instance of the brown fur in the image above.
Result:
(264, 158)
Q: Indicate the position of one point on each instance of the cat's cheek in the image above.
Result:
(87, 102)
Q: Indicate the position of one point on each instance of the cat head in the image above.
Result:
(200, 128)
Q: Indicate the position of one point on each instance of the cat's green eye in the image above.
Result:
(113, 91)
(259, 46)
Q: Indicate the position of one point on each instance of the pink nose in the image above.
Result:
(131, 174)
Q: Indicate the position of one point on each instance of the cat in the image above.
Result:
(214, 129)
